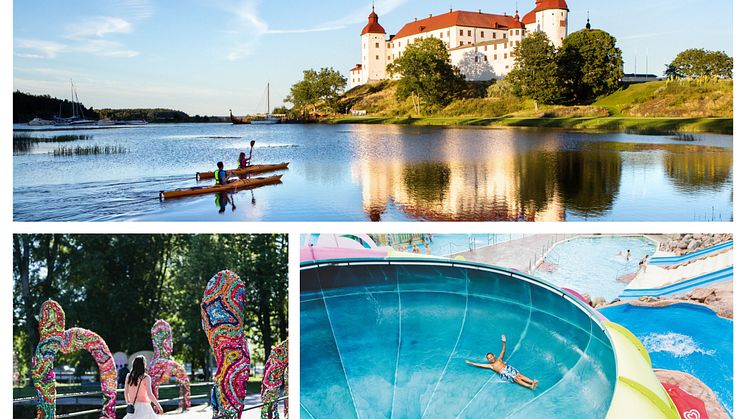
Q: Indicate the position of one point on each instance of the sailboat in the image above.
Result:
(267, 118)
(78, 117)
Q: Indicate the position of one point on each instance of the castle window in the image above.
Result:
(494, 35)
(376, 57)
(441, 35)
(511, 54)
(495, 58)
(461, 32)
(485, 58)
(505, 36)
(468, 33)
(461, 43)
(481, 34)
(377, 45)
(506, 56)
(399, 44)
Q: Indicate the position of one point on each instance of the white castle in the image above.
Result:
(480, 44)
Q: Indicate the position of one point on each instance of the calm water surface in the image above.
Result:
(381, 173)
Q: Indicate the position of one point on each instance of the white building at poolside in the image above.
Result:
(480, 44)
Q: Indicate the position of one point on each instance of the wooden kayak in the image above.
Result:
(233, 186)
(254, 168)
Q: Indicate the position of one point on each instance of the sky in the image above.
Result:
(207, 56)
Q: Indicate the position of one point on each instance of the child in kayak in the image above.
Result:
(242, 161)
(507, 372)
(221, 176)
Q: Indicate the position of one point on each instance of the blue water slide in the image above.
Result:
(675, 260)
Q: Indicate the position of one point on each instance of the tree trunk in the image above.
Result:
(21, 253)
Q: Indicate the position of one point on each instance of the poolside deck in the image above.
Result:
(519, 254)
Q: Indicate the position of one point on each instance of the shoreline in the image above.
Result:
(643, 125)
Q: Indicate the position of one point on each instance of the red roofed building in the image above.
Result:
(481, 44)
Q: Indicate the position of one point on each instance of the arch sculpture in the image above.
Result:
(163, 365)
(275, 380)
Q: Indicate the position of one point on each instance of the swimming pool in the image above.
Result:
(684, 337)
(390, 339)
(593, 264)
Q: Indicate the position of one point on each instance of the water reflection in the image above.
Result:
(546, 180)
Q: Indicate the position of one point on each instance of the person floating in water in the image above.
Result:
(507, 372)
(629, 255)
(221, 176)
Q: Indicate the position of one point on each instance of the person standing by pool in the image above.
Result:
(507, 372)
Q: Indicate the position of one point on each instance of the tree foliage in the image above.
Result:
(426, 74)
(118, 285)
(536, 73)
(697, 63)
(319, 90)
(587, 66)
(591, 64)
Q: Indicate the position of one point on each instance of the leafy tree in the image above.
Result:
(701, 63)
(321, 88)
(426, 73)
(536, 73)
(592, 65)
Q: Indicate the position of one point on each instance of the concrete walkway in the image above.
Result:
(519, 254)
(204, 411)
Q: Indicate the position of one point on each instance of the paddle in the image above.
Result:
(251, 151)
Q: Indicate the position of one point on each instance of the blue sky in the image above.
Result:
(204, 57)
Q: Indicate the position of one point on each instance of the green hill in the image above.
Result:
(657, 106)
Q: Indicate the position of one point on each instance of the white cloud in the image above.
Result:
(98, 26)
(250, 27)
(104, 48)
(37, 48)
(136, 9)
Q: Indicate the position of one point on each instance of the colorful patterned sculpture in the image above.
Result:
(222, 320)
(275, 380)
(163, 365)
(54, 338)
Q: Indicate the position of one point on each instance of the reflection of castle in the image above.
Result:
(458, 189)
(480, 44)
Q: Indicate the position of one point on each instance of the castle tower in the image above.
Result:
(550, 17)
(373, 40)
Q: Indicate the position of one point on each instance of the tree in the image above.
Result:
(536, 73)
(696, 63)
(591, 64)
(426, 73)
(321, 88)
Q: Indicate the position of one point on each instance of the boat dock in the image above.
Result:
(521, 254)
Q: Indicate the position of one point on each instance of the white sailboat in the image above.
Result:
(77, 118)
(267, 118)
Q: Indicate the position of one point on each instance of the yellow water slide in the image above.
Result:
(638, 393)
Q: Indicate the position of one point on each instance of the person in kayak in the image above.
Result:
(242, 161)
(507, 372)
(221, 176)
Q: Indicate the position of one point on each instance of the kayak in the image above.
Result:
(233, 186)
(254, 168)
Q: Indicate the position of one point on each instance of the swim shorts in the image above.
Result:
(508, 374)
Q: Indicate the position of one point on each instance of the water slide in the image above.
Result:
(658, 281)
(677, 260)
(389, 337)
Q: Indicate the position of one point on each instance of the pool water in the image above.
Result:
(594, 265)
(390, 339)
(684, 337)
(450, 244)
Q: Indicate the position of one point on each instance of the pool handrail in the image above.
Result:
(675, 260)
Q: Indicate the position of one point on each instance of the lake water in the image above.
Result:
(381, 173)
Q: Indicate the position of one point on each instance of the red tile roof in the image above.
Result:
(455, 18)
(530, 17)
(373, 26)
(516, 23)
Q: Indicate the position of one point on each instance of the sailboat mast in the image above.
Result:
(267, 99)
(72, 98)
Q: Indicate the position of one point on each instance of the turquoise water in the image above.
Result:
(593, 264)
(449, 244)
(684, 337)
(381, 173)
(391, 340)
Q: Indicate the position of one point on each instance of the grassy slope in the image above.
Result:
(649, 107)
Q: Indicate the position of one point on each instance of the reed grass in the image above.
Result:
(88, 150)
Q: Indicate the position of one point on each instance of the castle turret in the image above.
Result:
(550, 17)
(373, 39)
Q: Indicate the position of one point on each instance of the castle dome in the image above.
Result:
(373, 26)
(516, 23)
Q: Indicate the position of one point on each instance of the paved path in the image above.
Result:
(204, 411)
(519, 254)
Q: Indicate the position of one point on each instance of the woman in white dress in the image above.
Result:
(137, 391)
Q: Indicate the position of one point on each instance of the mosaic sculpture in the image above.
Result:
(163, 365)
(222, 320)
(275, 380)
(54, 338)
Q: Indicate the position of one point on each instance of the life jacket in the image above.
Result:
(217, 176)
